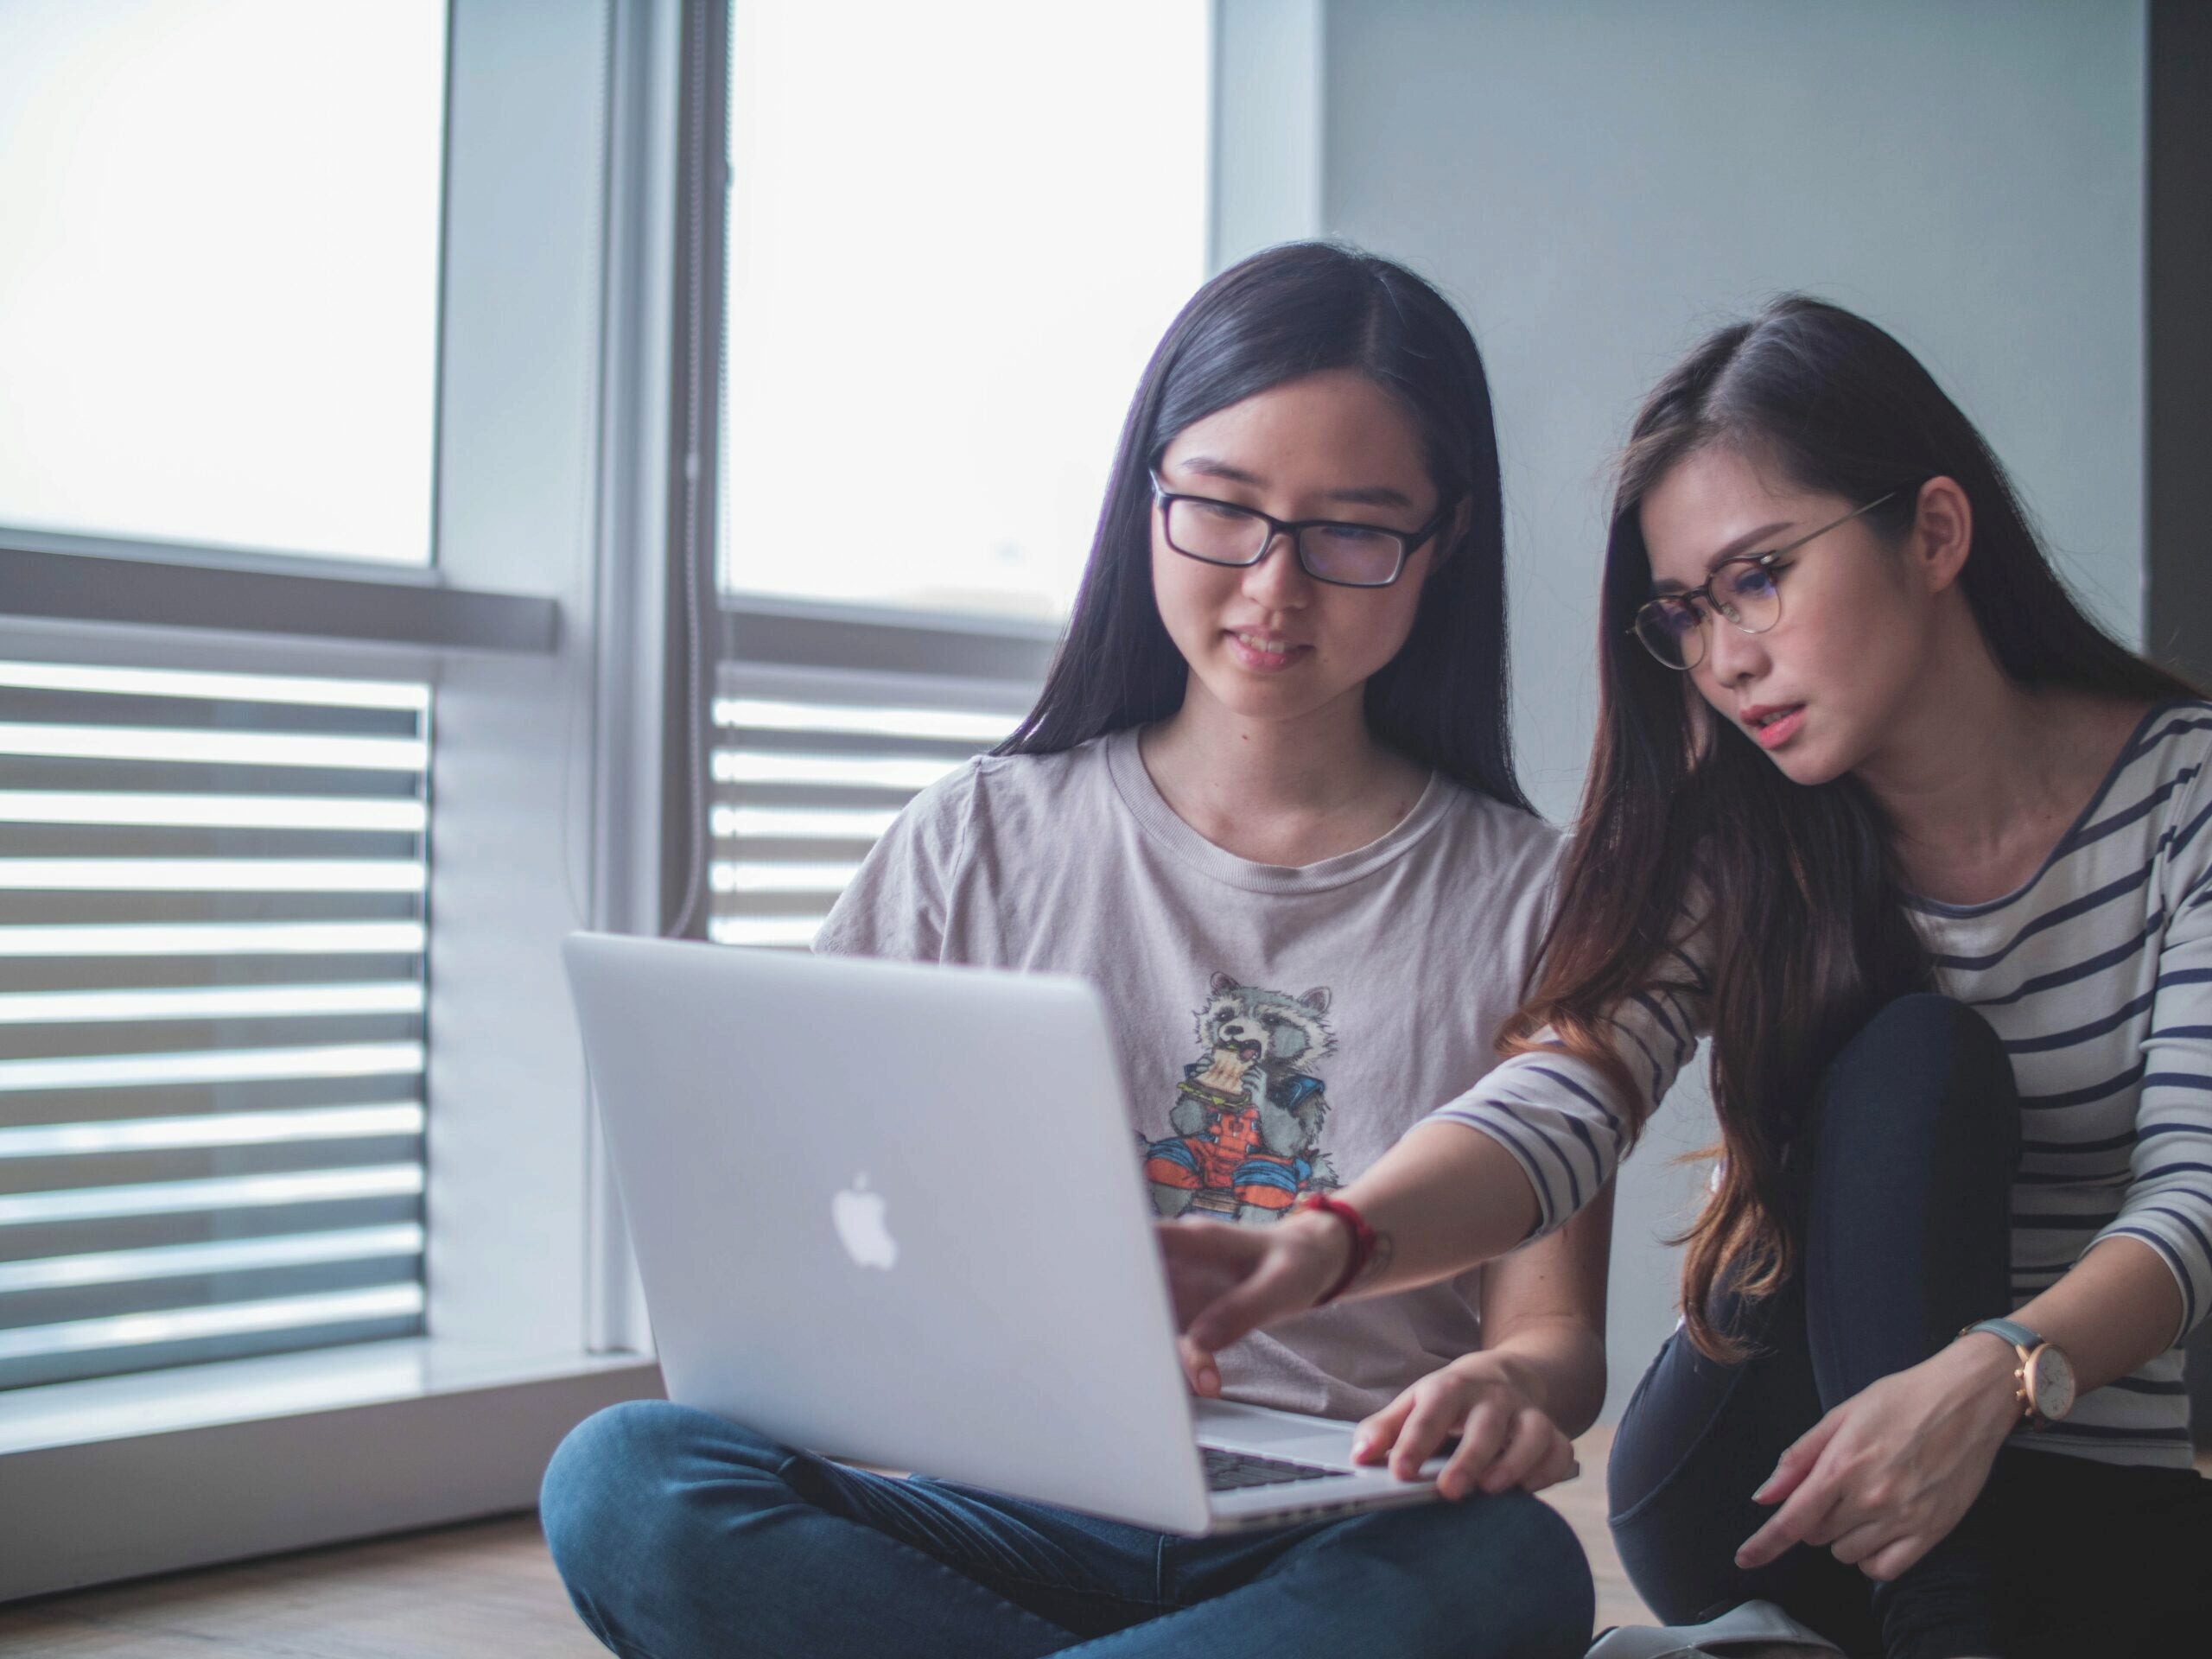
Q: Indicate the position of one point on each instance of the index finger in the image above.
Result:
(1379, 1432)
(1807, 1508)
(1271, 1291)
(1204, 1260)
(1198, 1368)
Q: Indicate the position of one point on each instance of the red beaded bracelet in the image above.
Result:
(1362, 1238)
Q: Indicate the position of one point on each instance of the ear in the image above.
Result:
(1449, 537)
(1317, 999)
(1942, 533)
(1220, 983)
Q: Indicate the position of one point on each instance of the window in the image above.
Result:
(930, 346)
(937, 314)
(293, 814)
(219, 285)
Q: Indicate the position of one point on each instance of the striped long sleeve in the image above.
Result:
(1563, 1118)
(2167, 1203)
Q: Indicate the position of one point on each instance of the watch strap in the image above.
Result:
(2024, 1343)
(2011, 1331)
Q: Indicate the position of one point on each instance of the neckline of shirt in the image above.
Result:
(1140, 795)
(2130, 751)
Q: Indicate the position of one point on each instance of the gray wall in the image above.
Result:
(1597, 182)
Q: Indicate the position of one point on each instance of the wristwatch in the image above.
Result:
(2045, 1377)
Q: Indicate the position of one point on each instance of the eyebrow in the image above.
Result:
(1378, 495)
(1736, 548)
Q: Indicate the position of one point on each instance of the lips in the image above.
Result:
(1771, 725)
(1261, 651)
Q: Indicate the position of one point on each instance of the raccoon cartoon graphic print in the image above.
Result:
(1245, 1127)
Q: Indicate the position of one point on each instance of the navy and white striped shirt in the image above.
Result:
(2097, 977)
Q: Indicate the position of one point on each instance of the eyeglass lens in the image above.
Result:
(1226, 534)
(1673, 628)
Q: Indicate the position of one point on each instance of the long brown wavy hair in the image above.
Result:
(1794, 887)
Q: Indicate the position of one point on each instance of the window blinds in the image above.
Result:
(804, 782)
(211, 941)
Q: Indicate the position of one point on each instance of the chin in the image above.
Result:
(1809, 766)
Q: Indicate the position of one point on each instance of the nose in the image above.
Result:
(1733, 658)
(1278, 581)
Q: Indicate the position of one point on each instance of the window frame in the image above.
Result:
(548, 589)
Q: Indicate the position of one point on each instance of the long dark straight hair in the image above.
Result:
(1795, 886)
(1288, 312)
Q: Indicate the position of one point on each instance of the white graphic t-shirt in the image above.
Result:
(1279, 1028)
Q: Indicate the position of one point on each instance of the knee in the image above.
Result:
(1926, 1059)
(599, 1478)
(614, 1490)
(1517, 1570)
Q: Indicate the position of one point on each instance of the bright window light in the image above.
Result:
(210, 1002)
(228, 688)
(224, 1192)
(213, 875)
(228, 1319)
(149, 810)
(219, 282)
(799, 823)
(861, 721)
(184, 1261)
(937, 314)
(215, 939)
(219, 1065)
(829, 879)
(262, 1128)
(169, 743)
(849, 772)
(781, 932)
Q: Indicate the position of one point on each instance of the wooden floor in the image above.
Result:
(460, 1592)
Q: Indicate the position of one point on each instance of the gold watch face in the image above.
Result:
(2050, 1383)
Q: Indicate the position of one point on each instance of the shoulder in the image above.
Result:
(1510, 844)
(2171, 762)
(1008, 789)
(1501, 862)
(2172, 740)
(2162, 775)
(996, 803)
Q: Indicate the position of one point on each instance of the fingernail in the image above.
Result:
(1361, 1445)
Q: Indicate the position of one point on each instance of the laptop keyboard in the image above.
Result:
(1230, 1472)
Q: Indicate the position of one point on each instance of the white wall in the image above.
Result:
(1597, 182)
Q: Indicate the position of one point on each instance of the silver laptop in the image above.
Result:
(894, 1214)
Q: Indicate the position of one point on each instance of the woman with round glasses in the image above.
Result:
(1928, 857)
(1265, 803)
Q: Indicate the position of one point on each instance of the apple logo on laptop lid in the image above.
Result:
(857, 1212)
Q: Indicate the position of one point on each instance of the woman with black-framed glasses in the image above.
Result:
(1927, 856)
(1267, 803)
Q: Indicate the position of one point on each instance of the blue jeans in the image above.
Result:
(679, 1533)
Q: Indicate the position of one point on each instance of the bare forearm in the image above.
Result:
(2116, 1309)
(1443, 1200)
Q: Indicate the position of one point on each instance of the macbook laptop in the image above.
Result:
(894, 1214)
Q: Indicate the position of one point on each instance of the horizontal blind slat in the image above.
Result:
(213, 930)
(806, 781)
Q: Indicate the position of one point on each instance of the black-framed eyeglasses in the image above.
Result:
(1743, 589)
(1344, 554)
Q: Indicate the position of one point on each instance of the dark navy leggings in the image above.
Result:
(1908, 1239)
